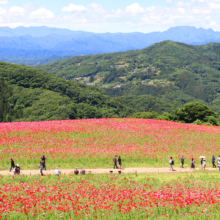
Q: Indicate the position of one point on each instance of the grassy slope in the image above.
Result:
(168, 70)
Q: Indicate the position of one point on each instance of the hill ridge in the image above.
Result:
(169, 70)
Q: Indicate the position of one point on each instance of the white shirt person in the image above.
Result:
(218, 160)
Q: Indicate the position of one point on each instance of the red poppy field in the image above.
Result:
(111, 197)
(93, 143)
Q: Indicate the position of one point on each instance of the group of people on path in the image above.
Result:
(42, 165)
(117, 161)
(192, 163)
(76, 171)
(15, 168)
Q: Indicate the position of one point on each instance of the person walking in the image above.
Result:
(218, 161)
(192, 165)
(44, 162)
(213, 161)
(182, 161)
(119, 161)
(41, 166)
(115, 162)
(203, 164)
(12, 164)
(171, 163)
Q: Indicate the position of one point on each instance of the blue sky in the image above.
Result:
(112, 15)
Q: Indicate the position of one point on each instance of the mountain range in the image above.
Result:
(159, 78)
(40, 45)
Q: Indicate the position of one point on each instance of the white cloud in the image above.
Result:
(3, 2)
(17, 11)
(3, 11)
(214, 5)
(74, 8)
(198, 13)
(42, 13)
(183, 4)
(97, 8)
(134, 9)
(182, 10)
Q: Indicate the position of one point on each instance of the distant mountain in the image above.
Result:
(173, 73)
(27, 45)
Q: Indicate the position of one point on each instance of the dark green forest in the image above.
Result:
(5, 110)
(30, 94)
(170, 71)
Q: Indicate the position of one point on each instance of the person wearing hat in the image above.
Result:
(76, 171)
(213, 161)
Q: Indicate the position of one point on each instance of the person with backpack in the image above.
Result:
(171, 163)
(182, 161)
(12, 164)
(213, 161)
(44, 162)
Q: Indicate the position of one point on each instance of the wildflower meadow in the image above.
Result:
(92, 144)
(111, 197)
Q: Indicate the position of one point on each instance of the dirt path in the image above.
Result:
(99, 171)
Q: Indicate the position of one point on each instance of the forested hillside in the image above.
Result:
(5, 110)
(30, 94)
(171, 71)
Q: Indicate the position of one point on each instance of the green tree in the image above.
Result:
(194, 111)
(5, 111)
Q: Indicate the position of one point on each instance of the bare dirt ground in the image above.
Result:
(100, 171)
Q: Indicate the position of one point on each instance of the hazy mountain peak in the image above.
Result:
(45, 41)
